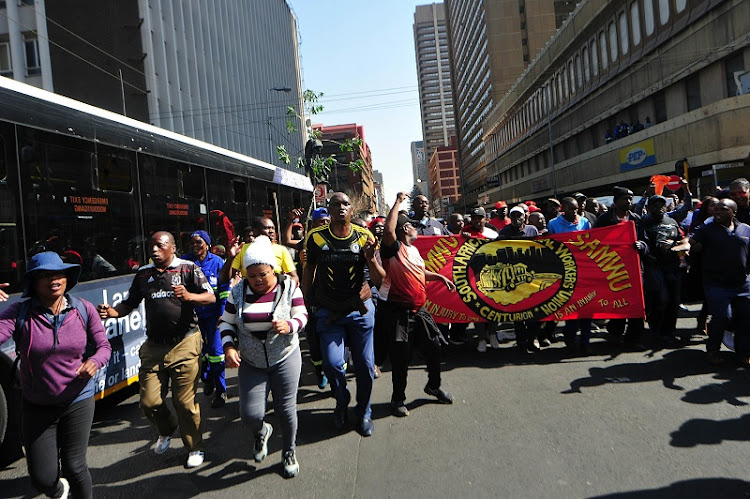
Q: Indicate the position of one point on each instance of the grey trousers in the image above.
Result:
(282, 380)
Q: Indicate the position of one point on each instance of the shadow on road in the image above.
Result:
(698, 488)
(706, 432)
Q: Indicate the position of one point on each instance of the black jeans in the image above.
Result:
(662, 297)
(49, 431)
(399, 325)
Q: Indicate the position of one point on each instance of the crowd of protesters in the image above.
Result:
(356, 289)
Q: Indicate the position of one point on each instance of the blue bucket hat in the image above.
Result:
(49, 260)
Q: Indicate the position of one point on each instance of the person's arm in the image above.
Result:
(288, 238)
(228, 271)
(297, 316)
(377, 272)
(432, 276)
(96, 336)
(228, 332)
(389, 232)
(198, 291)
(3, 294)
(125, 307)
(287, 264)
(308, 271)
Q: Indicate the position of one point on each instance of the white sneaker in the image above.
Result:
(493, 342)
(291, 466)
(195, 459)
(66, 488)
(162, 444)
(260, 450)
(482, 346)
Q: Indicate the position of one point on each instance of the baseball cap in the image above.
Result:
(579, 195)
(517, 209)
(478, 212)
(320, 213)
(500, 204)
(657, 199)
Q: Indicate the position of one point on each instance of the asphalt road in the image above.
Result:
(660, 423)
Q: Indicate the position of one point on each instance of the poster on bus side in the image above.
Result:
(588, 274)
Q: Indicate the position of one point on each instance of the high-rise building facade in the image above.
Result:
(418, 162)
(433, 70)
(359, 185)
(491, 42)
(445, 178)
(221, 72)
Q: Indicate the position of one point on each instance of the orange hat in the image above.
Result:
(500, 204)
(534, 208)
(529, 203)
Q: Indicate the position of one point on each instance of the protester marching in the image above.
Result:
(355, 294)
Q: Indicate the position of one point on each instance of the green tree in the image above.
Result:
(317, 166)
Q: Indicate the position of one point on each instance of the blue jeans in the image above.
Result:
(356, 329)
(727, 303)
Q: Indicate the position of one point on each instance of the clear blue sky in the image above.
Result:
(360, 54)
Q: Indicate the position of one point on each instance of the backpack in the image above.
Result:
(23, 314)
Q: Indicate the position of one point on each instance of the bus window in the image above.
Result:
(172, 197)
(65, 213)
(229, 209)
(11, 253)
(114, 169)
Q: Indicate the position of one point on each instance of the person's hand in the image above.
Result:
(401, 196)
(303, 256)
(86, 370)
(449, 284)
(231, 356)
(281, 327)
(295, 213)
(234, 247)
(640, 246)
(181, 293)
(3, 294)
(104, 310)
(467, 235)
(370, 247)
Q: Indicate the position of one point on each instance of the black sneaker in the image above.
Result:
(219, 400)
(440, 394)
(366, 427)
(398, 409)
(208, 388)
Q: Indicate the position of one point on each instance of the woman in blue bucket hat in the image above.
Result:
(61, 344)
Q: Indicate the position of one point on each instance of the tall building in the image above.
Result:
(445, 178)
(377, 178)
(358, 185)
(419, 164)
(221, 72)
(491, 43)
(433, 69)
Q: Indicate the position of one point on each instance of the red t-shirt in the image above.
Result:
(499, 223)
(404, 281)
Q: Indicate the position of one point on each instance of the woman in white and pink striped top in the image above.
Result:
(259, 328)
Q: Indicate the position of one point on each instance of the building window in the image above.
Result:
(523, 25)
(612, 42)
(586, 65)
(579, 70)
(648, 16)
(680, 4)
(594, 58)
(603, 45)
(734, 65)
(693, 91)
(624, 40)
(635, 20)
(6, 67)
(660, 107)
(31, 47)
(663, 11)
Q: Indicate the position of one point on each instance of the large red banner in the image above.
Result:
(589, 274)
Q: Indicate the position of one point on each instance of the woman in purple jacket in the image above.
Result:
(56, 378)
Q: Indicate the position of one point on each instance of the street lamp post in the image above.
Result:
(268, 115)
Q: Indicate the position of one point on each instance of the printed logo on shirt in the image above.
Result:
(355, 248)
(526, 277)
(162, 294)
(150, 279)
(176, 279)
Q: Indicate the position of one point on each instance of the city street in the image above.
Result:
(649, 424)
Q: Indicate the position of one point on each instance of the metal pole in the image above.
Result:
(268, 118)
(551, 144)
(122, 90)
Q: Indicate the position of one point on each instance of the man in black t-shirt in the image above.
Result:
(172, 288)
(344, 309)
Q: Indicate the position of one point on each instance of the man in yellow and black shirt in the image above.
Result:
(344, 309)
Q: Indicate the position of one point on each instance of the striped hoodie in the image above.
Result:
(246, 322)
